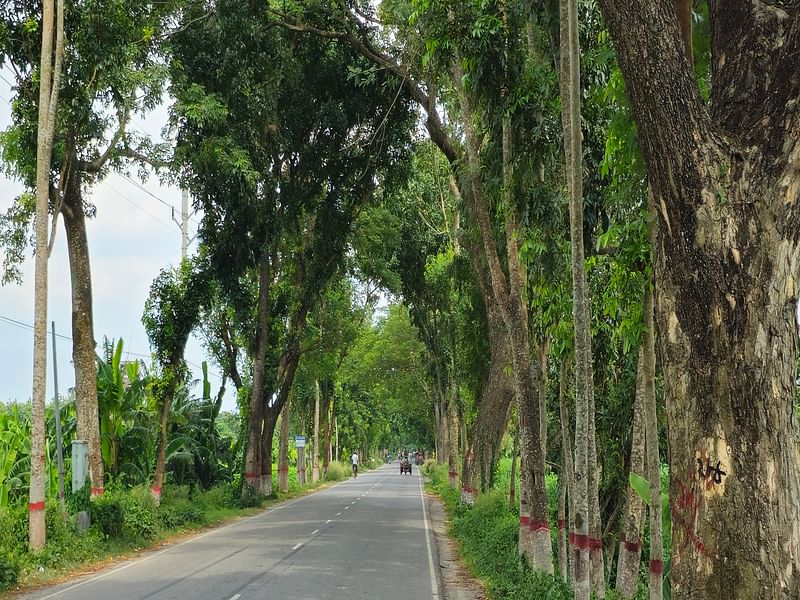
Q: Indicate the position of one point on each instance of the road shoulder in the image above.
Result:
(457, 582)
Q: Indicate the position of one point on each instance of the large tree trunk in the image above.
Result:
(570, 114)
(452, 438)
(630, 546)
(253, 465)
(510, 293)
(283, 450)
(497, 392)
(49, 83)
(490, 424)
(83, 343)
(725, 183)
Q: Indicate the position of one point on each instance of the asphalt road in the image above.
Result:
(363, 538)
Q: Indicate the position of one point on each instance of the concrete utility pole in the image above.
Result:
(184, 224)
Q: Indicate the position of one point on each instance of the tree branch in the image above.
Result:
(129, 152)
(96, 165)
(359, 39)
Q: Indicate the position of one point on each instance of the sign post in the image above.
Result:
(300, 444)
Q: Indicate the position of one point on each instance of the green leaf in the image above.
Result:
(641, 486)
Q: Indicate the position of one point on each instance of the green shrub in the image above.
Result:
(9, 569)
(107, 514)
(14, 528)
(139, 515)
(336, 471)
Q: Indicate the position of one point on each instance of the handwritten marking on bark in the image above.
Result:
(685, 508)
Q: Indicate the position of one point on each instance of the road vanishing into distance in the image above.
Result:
(367, 537)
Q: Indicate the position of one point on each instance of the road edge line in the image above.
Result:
(435, 580)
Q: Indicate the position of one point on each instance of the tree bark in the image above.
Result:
(452, 436)
(326, 442)
(651, 441)
(283, 450)
(83, 342)
(165, 406)
(544, 349)
(568, 465)
(725, 183)
(253, 466)
(563, 551)
(570, 114)
(315, 458)
(630, 546)
(512, 487)
(596, 555)
(49, 86)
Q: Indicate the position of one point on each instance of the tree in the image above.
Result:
(170, 315)
(49, 79)
(724, 183)
(107, 79)
(284, 174)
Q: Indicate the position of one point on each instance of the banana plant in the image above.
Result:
(122, 397)
(15, 450)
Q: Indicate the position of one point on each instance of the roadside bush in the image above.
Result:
(107, 515)
(139, 516)
(14, 529)
(9, 570)
(336, 471)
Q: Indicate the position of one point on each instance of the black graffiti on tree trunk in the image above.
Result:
(708, 472)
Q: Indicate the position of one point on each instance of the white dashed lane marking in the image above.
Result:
(296, 546)
(315, 532)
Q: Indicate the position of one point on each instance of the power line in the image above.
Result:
(144, 210)
(152, 195)
(21, 325)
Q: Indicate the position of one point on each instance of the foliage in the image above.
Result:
(337, 471)
(9, 569)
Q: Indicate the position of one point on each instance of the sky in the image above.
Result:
(131, 239)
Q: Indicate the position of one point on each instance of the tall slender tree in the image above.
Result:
(49, 85)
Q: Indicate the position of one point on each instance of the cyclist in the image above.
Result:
(354, 460)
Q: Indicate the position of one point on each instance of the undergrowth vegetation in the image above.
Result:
(487, 536)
